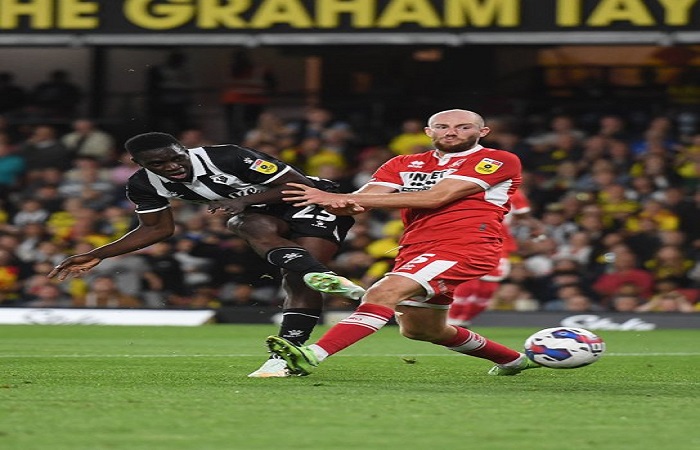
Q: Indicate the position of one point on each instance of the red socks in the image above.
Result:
(369, 318)
(473, 344)
(366, 320)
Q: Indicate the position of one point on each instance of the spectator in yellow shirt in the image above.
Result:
(412, 138)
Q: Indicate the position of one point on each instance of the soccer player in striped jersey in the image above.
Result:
(247, 185)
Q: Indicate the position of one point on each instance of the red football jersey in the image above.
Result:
(469, 219)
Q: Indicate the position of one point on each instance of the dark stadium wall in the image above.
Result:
(124, 70)
(378, 84)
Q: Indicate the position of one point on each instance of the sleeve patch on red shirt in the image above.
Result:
(487, 166)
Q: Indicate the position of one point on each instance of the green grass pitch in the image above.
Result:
(96, 387)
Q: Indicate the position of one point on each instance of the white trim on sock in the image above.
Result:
(320, 353)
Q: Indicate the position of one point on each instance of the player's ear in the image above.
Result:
(484, 131)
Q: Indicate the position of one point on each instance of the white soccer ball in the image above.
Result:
(564, 347)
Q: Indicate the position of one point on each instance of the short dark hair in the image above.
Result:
(150, 141)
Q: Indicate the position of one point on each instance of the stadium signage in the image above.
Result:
(346, 21)
(534, 319)
(593, 322)
(70, 316)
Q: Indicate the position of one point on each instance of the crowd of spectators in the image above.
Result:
(619, 200)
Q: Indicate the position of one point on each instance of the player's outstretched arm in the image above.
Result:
(444, 192)
(153, 227)
(274, 194)
(75, 265)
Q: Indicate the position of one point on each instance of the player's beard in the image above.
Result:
(456, 146)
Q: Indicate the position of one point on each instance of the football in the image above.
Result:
(564, 347)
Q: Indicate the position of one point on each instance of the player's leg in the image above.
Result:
(403, 284)
(302, 305)
(430, 324)
(408, 291)
(266, 234)
(375, 311)
(301, 311)
(426, 318)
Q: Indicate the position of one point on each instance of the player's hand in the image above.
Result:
(303, 195)
(350, 209)
(74, 266)
(233, 206)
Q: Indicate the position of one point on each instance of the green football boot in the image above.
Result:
(525, 364)
(300, 360)
(333, 284)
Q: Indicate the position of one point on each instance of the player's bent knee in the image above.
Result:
(417, 335)
(387, 302)
(234, 223)
(241, 227)
(261, 235)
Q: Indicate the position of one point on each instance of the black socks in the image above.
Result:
(295, 259)
(298, 323)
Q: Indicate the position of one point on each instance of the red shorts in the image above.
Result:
(439, 269)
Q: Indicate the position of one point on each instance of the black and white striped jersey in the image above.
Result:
(219, 172)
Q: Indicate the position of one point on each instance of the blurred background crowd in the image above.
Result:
(616, 194)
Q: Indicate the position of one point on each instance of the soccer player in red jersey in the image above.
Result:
(453, 200)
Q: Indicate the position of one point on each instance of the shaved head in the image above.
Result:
(456, 130)
(469, 116)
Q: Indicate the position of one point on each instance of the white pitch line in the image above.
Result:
(245, 355)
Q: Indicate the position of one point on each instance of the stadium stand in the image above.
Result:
(619, 198)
